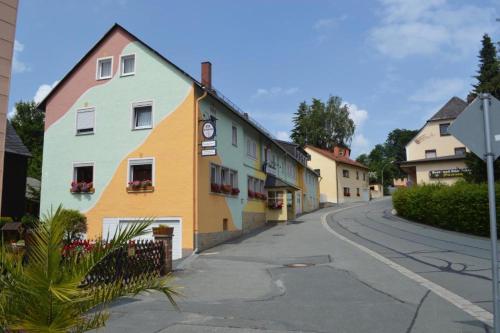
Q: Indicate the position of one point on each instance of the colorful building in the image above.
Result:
(129, 135)
(434, 155)
(342, 178)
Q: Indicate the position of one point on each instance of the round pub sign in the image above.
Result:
(208, 129)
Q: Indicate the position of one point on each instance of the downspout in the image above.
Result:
(195, 172)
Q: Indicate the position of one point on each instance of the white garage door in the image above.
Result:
(111, 225)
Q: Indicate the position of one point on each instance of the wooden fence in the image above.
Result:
(130, 262)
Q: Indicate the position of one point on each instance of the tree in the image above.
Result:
(488, 75)
(395, 147)
(76, 224)
(29, 125)
(45, 293)
(323, 125)
(488, 80)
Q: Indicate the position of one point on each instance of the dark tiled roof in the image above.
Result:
(13, 143)
(12, 226)
(340, 159)
(450, 110)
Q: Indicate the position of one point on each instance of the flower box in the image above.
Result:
(226, 189)
(251, 194)
(82, 187)
(215, 188)
(140, 186)
(147, 189)
(235, 191)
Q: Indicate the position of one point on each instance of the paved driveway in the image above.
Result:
(252, 285)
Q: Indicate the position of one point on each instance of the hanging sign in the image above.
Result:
(211, 143)
(208, 129)
(209, 152)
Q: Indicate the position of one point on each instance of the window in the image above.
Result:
(143, 115)
(357, 192)
(275, 199)
(357, 175)
(345, 173)
(141, 170)
(430, 153)
(341, 152)
(347, 192)
(127, 65)
(443, 129)
(83, 172)
(104, 68)
(255, 186)
(223, 180)
(251, 148)
(235, 136)
(85, 121)
(460, 151)
(364, 176)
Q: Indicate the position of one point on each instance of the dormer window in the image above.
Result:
(127, 65)
(104, 68)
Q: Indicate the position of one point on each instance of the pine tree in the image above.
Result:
(489, 69)
(299, 131)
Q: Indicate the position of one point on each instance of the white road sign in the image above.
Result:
(469, 127)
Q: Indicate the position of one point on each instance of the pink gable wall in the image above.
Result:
(84, 77)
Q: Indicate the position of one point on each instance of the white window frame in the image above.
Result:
(98, 69)
(122, 57)
(86, 109)
(217, 173)
(140, 161)
(141, 104)
(233, 174)
(251, 148)
(83, 164)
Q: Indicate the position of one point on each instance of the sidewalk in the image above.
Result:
(251, 285)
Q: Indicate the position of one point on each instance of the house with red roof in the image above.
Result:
(342, 178)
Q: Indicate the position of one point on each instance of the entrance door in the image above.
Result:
(298, 202)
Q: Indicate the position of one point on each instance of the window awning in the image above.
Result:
(275, 182)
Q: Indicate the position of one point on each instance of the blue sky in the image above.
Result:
(394, 61)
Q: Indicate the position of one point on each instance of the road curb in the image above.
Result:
(460, 302)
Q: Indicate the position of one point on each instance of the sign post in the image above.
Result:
(490, 158)
(466, 128)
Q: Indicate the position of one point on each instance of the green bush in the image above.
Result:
(460, 207)
(29, 221)
(75, 222)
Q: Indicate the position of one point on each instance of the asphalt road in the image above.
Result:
(461, 263)
(252, 285)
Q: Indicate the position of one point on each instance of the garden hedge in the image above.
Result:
(461, 207)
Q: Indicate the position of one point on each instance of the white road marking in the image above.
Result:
(460, 302)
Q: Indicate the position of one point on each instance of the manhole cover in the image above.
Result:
(299, 265)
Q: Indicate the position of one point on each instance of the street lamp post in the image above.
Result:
(383, 167)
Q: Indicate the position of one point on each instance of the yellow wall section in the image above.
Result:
(170, 143)
(212, 207)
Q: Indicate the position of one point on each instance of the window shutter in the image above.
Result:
(85, 120)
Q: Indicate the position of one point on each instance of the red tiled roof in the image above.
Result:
(340, 159)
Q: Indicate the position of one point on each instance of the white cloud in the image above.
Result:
(282, 135)
(11, 113)
(428, 27)
(437, 90)
(43, 91)
(275, 91)
(324, 26)
(360, 144)
(359, 116)
(17, 65)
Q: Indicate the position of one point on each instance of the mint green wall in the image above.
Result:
(113, 139)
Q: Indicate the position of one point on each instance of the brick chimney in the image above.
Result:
(206, 74)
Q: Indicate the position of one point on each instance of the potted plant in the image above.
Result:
(251, 194)
(215, 188)
(163, 230)
(135, 185)
(86, 187)
(75, 188)
(235, 191)
(276, 205)
(146, 183)
(226, 189)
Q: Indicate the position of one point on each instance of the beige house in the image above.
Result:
(8, 16)
(342, 179)
(434, 155)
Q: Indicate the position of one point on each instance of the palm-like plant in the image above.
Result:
(46, 294)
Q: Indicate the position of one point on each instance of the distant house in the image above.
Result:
(434, 155)
(342, 178)
(14, 176)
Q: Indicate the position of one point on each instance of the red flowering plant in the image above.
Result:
(226, 189)
(81, 187)
(235, 191)
(276, 205)
(135, 184)
(215, 188)
(251, 194)
(77, 247)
